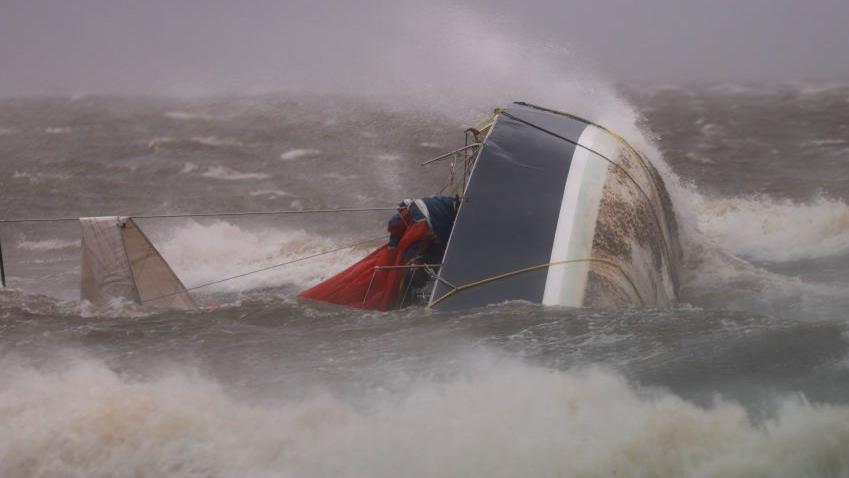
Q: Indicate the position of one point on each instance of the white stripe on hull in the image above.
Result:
(573, 239)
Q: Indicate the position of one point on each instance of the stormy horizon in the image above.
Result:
(212, 48)
(264, 147)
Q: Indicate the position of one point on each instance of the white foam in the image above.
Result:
(213, 141)
(188, 167)
(299, 153)
(823, 142)
(273, 193)
(184, 115)
(770, 230)
(812, 89)
(24, 175)
(504, 420)
(39, 177)
(388, 157)
(158, 141)
(47, 245)
(216, 141)
(62, 130)
(711, 130)
(731, 88)
(699, 158)
(339, 176)
(227, 174)
(8, 131)
(205, 253)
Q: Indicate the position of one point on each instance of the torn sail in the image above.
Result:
(118, 261)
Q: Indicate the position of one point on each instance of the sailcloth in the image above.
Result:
(118, 261)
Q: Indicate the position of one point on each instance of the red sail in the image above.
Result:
(364, 285)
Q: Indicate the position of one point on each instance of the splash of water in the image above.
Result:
(769, 230)
(201, 253)
(504, 419)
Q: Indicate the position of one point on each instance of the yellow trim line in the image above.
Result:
(537, 267)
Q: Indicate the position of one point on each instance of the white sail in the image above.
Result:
(118, 261)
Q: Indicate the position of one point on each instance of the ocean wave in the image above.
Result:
(732, 88)
(186, 116)
(813, 89)
(205, 253)
(340, 177)
(273, 193)
(158, 141)
(764, 229)
(503, 418)
(816, 143)
(211, 141)
(47, 245)
(216, 141)
(227, 174)
(188, 167)
(35, 178)
(299, 153)
(388, 157)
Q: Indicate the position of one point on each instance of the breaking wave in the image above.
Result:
(188, 167)
(216, 141)
(160, 142)
(765, 229)
(388, 157)
(204, 253)
(187, 116)
(299, 153)
(504, 418)
(37, 177)
(47, 245)
(227, 174)
(271, 193)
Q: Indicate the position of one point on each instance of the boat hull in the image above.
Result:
(562, 212)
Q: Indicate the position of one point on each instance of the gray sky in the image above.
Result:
(197, 47)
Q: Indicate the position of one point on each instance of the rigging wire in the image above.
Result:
(208, 214)
(267, 268)
(185, 215)
(2, 268)
(667, 250)
(506, 275)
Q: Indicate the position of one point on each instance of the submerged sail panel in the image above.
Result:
(156, 283)
(119, 262)
(509, 214)
(105, 271)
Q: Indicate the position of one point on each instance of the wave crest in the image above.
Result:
(508, 419)
(764, 229)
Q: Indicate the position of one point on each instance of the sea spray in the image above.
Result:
(201, 253)
(500, 418)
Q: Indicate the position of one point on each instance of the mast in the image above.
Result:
(2, 267)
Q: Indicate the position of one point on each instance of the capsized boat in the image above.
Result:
(555, 210)
(559, 211)
(551, 209)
